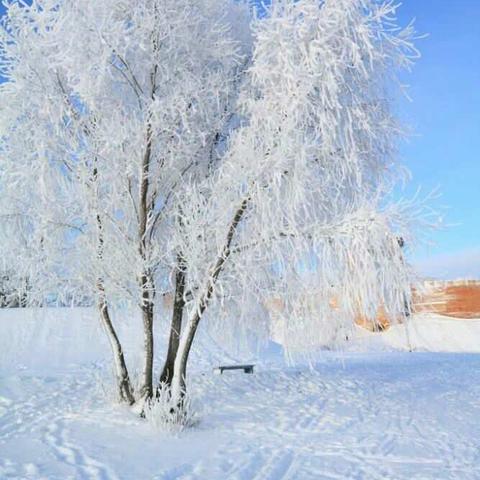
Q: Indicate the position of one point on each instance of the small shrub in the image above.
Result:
(171, 414)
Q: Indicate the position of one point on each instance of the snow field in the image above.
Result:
(355, 415)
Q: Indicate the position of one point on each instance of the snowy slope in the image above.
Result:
(424, 332)
(355, 415)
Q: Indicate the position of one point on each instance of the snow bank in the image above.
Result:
(52, 337)
(57, 338)
(424, 332)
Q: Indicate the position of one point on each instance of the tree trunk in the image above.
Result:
(178, 385)
(146, 284)
(180, 370)
(125, 389)
(146, 390)
(176, 325)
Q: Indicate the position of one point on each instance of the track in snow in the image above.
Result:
(392, 416)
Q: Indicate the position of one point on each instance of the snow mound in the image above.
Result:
(423, 332)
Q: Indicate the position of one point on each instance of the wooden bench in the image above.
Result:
(245, 368)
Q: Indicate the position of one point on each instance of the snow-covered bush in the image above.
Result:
(167, 413)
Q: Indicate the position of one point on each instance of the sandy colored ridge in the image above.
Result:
(455, 299)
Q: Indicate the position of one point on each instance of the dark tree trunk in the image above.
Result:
(178, 383)
(145, 279)
(147, 318)
(176, 325)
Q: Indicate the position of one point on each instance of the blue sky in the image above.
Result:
(445, 117)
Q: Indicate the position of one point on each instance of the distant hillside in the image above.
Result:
(449, 298)
(460, 299)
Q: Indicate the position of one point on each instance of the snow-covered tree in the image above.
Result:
(107, 106)
(155, 150)
(298, 203)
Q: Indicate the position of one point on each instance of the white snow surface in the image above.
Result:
(371, 411)
(424, 332)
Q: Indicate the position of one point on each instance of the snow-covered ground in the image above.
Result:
(372, 411)
(425, 333)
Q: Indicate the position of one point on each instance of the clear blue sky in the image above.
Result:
(445, 116)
